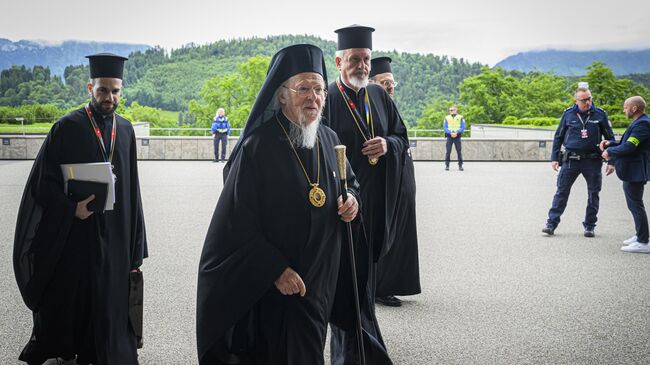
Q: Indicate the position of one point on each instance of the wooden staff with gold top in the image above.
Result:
(341, 162)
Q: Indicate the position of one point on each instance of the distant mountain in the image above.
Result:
(573, 63)
(57, 56)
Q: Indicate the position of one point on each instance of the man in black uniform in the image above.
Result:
(368, 123)
(268, 276)
(398, 271)
(72, 265)
(581, 129)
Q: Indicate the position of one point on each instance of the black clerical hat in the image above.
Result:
(286, 63)
(296, 59)
(106, 65)
(355, 36)
(380, 65)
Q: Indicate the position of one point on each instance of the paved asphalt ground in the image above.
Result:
(495, 289)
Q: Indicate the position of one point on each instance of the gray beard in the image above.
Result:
(304, 136)
(359, 83)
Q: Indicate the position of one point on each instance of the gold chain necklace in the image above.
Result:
(316, 195)
(350, 104)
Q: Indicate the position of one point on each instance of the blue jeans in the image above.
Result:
(591, 170)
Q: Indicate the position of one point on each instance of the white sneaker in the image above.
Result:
(630, 240)
(636, 247)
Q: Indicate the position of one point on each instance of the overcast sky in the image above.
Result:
(484, 31)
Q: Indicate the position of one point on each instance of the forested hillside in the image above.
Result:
(195, 80)
(169, 81)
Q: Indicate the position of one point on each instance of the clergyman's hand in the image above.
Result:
(555, 165)
(290, 283)
(349, 210)
(374, 148)
(82, 211)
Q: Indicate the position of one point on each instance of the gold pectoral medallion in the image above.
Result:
(373, 161)
(317, 196)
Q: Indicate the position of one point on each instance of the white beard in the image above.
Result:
(304, 136)
(357, 82)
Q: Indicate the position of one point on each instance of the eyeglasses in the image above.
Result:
(304, 90)
(585, 100)
(387, 83)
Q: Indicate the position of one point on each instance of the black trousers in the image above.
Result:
(634, 198)
(223, 139)
(455, 142)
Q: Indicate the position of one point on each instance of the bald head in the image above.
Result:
(634, 107)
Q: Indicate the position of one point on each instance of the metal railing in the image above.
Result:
(27, 129)
(476, 132)
(412, 133)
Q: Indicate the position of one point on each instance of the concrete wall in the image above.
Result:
(483, 149)
(200, 148)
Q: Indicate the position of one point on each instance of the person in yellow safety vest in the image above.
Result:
(454, 126)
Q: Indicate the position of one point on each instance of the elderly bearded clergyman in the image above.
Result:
(368, 123)
(270, 262)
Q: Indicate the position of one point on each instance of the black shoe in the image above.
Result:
(549, 230)
(389, 300)
(589, 232)
(460, 168)
(446, 168)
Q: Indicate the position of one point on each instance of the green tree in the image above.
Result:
(488, 95)
(434, 113)
(235, 93)
(609, 92)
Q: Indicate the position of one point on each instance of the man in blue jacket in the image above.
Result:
(632, 161)
(220, 133)
(581, 129)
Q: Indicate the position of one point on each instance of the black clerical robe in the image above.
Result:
(74, 274)
(380, 192)
(264, 223)
(380, 184)
(398, 271)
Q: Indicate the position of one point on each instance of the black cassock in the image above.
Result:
(264, 223)
(388, 192)
(398, 271)
(74, 274)
(380, 187)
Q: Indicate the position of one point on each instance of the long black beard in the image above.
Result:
(98, 108)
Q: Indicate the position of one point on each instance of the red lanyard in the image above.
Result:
(353, 111)
(107, 157)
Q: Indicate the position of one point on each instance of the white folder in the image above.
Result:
(96, 171)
